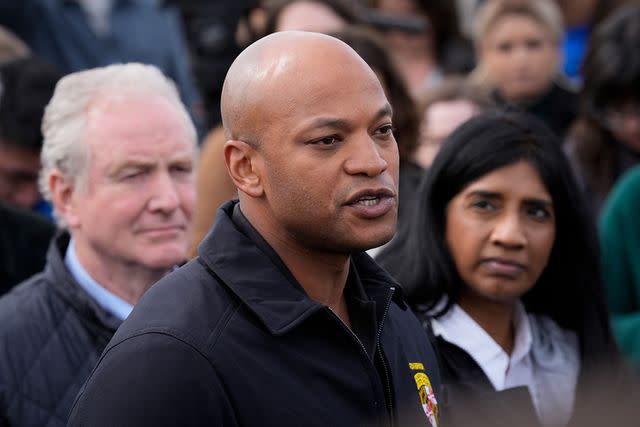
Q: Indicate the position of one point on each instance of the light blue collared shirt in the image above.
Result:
(105, 299)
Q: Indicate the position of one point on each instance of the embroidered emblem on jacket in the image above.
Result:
(425, 392)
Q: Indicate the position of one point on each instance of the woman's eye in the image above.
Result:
(538, 213)
(504, 47)
(534, 44)
(484, 205)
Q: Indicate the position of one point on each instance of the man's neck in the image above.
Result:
(322, 275)
(126, 281)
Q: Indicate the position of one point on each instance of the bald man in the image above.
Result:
(282, 320)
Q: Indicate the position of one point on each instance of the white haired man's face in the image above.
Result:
(139, 197)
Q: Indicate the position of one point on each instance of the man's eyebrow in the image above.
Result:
(131, 164)
(329, 123)
(387, 110)
(145, 162)
(343, 124)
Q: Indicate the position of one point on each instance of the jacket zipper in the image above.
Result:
(350, 332)
(388, 401)
(346, 328)
(383, 362)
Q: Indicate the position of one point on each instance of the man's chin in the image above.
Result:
(374, 241)
(165, 258)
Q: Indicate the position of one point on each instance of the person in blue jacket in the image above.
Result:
(282, 320)
(76, 35)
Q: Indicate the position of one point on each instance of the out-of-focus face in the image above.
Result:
(310, 16)
(439, 120)
(500, 231)
(408, 42)
(520, 56)
(139, 193)
(624, 122)
(19, 170)
(329, 160)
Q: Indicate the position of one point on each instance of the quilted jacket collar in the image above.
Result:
(67, 287)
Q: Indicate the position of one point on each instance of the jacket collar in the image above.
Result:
(253, 271)
(66, 286)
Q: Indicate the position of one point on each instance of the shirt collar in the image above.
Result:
(105, 299)
(458, 328)
(268, 288)
(523, 338)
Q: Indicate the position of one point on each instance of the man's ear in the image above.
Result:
(242, 162)
(62, 189)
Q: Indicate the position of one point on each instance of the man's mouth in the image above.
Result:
(371, 204)
(368, 201)
(371, 197)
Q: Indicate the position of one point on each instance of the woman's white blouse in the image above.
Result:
(545, 358)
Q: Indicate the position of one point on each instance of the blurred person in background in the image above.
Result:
(581, 17)
(11, 47)
(26, 86)
(212, 180)
(426, 42)
(24, 239)
(25, 235)
(517, 44)
(605, 139)
(320, 16)
(502, 265)
(620, 242)
(215, 32)
(442, 109)
(81, 34)
(122, 186)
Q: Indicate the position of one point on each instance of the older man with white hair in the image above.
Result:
(118, 159)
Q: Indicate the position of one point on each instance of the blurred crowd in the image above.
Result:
(510, 97)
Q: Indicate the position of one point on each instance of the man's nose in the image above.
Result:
(366, 158)
(165, 196)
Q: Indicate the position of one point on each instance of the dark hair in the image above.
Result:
(611, 71)
(26, 87)
(443, 19)
(569, 289)
(344, 9)
(372, 48)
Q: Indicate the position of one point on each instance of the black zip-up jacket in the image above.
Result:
(231, 339)
(51, 336)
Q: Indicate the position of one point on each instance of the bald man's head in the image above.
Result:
(310, 144)
(264, 80)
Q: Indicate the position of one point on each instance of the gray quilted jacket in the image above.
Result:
(51, 335)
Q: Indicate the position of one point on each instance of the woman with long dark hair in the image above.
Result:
(501, 260)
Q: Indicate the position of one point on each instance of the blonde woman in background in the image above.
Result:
(518, 47)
